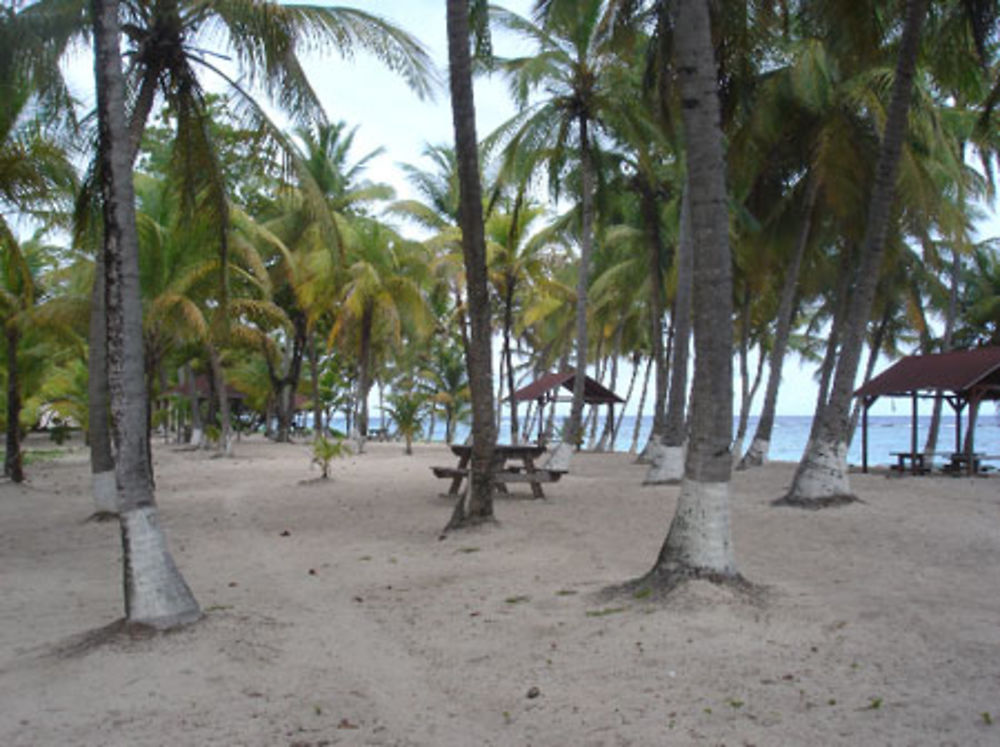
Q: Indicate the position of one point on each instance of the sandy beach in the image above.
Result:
(334, 614)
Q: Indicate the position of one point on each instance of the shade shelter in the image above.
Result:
(962, 377)
(548, 390)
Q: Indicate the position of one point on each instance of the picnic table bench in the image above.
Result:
(525, 472)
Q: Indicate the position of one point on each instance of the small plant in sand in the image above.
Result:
(407, 411)
(325, 450)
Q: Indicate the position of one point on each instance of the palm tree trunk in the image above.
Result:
(102, 462)
(574, 429)
(508, 325)
(666, 454)
(699, 543)
(757, 453)
(949, 327)
(654, 260)
(822, 478)
(628, 398)
(641, 408)
(318, 429)
(155, 592)
(364, 370)
(873, 351)
(12, 463)
(225, 421)
(477, 504)
(197, 426)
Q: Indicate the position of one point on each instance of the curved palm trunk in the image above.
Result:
(667, 453)
(822, 478)
(640, 409)
(508, 326)
(654, 258)
(477, 504)
(12, 463)
(364, 371)
(574, 430)
(760, 446)
(155, 592)
(699, 542)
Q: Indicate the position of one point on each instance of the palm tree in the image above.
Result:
(699, 542)
(406, 408)
(35, 176)
(380, 297)
(821, 478)
(166, 45)
(575, 66)
(155, 592)
(477, 504)
(515, 259)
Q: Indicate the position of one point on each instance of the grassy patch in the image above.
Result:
(467, 550)
(641, 593)
(566, 592)
(606, 611)
(42, 455)
(517, 599)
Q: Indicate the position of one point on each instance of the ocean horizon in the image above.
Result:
(886, 434)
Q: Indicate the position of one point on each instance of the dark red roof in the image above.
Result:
(957, 371)
(593, 392)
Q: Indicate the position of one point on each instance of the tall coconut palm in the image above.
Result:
(380, 298)
(35, 176)
(155, 592)
(166, 43)
(477, 504)
(699, 542)
(821, 478)
(575, 67)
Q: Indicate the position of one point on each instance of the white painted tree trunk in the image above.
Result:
(156, 593)
(105, 492)
(666, 465)
(700, 537)
(560, 458)
(822, 477)
(757, 453)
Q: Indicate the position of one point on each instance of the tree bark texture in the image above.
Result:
(13, 466)
(477, 504)
(699, 541)
(155, 592)
(821, 478)
(102, 462)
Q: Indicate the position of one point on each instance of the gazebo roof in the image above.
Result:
(959, 371)
(593, 392)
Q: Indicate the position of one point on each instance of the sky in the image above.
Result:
(389, 115)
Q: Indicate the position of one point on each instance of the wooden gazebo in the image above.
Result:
(962, 377)
(547, 390)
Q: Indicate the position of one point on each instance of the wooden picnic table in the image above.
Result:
(916, 460)
(523, 468)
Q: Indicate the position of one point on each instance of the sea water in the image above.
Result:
(886, 434)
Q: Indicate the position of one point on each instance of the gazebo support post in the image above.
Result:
(970, 440)
(913, 434)
(868, 402)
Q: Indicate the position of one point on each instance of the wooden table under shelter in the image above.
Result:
(512, 463)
